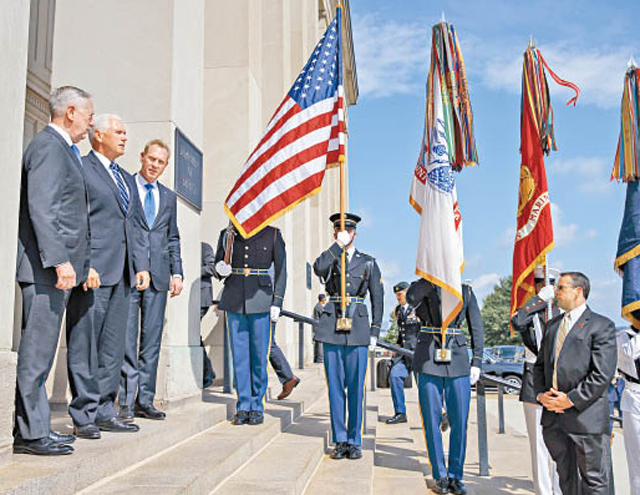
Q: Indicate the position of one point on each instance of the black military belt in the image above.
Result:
(350, 300)
(438, 331)
(250, 271)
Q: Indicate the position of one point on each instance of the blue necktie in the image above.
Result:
(149, 205)
(76, 152)
(122, 189)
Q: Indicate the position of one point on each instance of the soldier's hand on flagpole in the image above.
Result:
(474, 375)
(274, 313)
(223, 269)
(373, 341)
(547, 293)
(343, 238)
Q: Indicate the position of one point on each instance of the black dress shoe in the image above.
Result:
(61, 438)
(397, 418)
(40, 446)
(340, 451)
(256, 417)
(241, 418)
(148, 412)
(125, 414)
(115, 425)
(457, 487)
(354, 452)
(90, 431)
(442, 486)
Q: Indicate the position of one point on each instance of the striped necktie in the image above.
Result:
(122, 188)
(560, 338)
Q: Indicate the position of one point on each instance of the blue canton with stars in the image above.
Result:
(321, 76)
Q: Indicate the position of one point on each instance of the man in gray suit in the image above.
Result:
(160, 229)
(54, 243)
(97, 320)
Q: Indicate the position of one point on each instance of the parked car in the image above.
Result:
(508, 352)
(509, 370)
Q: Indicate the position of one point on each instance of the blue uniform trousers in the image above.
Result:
(250, 337)
(397, 376)
(346, 368)
(457, 395)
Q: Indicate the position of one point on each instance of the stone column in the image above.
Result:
(143, 61)
(14, 36)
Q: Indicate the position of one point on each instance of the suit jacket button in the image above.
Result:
(246, 247)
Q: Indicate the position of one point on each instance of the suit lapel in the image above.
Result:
(70, 152)
(576, 330)
(356, 260)
(163, 201)
(106, 177)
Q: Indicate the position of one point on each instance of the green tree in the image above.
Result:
(495, 315)
(392, 332)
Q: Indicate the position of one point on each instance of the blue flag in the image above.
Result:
(627, 262)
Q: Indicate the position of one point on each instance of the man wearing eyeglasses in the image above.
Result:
(576, 363)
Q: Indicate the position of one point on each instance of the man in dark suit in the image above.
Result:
(54, 243)
(97, 320)
(160, 229)
(408, 329)
(530, 321)
(281, 366)
(318, 356)
(453, 378)
(206, 301)
(252, 303)
(345, 350)
(576, 363)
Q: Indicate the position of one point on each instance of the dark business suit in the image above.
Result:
(207, 271)
(53, 229)
(247, 299)
(578, 439)
(317, 345)
(97, 319)
(140, 368)
(346, 353)
(451, 380)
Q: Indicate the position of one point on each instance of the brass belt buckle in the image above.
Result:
(443, 356)
(247, 271)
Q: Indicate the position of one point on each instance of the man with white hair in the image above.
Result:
(54, 243)
(97, 319)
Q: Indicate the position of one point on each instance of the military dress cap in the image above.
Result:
(350, 220)
(400, 287)
(538, 273)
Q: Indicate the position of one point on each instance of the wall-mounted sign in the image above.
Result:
(188, 173)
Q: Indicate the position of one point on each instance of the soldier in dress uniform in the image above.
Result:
(452, 378)
(629, 368)
(345, 350)
(252, 303)
(530, 322)
(408, 328)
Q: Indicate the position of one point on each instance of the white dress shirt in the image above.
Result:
(142, 191)
(350, 252)
(62, 132)
(572, 316)
(107, 166)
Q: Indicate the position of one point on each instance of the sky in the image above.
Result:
(588, 43)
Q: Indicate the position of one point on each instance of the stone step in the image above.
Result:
(344, 476)
(205, 461)
(397, 466)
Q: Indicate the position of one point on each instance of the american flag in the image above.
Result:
(304, 137)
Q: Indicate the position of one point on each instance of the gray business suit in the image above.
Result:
(97, 319)
(53, 229)
(578, 440)
(140, 368)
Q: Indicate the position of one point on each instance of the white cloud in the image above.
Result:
(591, 173)
(392, 57)
(507, 238)
(563, 233)
(390, 269)
(484, 284)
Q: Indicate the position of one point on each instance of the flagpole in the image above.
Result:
(546, 282)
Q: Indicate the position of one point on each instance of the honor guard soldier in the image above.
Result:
(252, 303)
(452, 377)
(629, 368)
(530, 322)
(345, 349)
(408, 328)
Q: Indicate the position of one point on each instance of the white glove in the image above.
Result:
(275, 313)
(547, 293)
(343, 238)
(474, 375)
(373, 341)
(223, 269)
